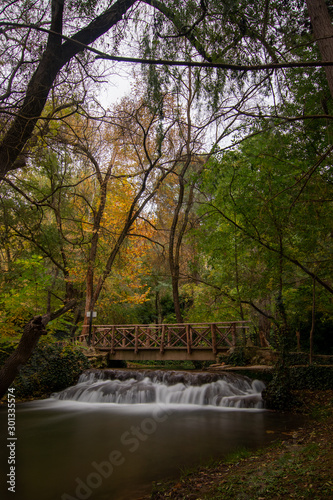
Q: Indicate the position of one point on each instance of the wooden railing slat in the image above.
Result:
(196, 336)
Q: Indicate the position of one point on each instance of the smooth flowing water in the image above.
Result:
(165, 387)
(115, 432)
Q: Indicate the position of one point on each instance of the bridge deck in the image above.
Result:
(185, 341)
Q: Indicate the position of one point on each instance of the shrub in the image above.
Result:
(52, 367)
(277, 395)
(239, 356)
(311, 377)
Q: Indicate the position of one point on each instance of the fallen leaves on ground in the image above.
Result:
(300, 467)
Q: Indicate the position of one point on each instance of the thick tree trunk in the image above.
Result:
(56, 55)
(22, 127)
(174, 256)
(175, 295)
(323, 32)
(31, 335)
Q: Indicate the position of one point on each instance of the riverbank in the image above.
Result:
(299, 467)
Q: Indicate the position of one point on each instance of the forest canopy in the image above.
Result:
(204, 194)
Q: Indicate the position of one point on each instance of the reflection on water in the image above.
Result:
(71, 450)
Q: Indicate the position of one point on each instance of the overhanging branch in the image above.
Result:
(167, 62)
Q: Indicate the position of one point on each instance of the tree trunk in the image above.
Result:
(174, 256)
(264, 324)
(30, 337)
(158, 308)
(313, 320)
(175, 295)
(323, 33)
(56, 55)
(98, 216)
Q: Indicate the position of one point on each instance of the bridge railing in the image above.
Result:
(162, 337)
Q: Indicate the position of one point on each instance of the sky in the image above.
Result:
(117, 86)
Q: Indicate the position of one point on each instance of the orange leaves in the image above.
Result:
(119, 199)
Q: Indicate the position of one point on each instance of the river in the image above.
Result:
(72, 449)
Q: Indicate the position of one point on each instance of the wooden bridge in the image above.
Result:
(186, 341)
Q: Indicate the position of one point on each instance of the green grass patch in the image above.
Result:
(293, 474)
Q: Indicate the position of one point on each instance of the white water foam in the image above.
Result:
(172, 388)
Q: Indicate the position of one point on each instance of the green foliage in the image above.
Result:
(7, 347)
(264, 206)
(238, 357)
(302, 358)
(86, 7)
(24, 289)
(237, 456)
(266, 227)
(148, 312)
(311, 377)
(277, 395)
(323, 338)
(51, 368)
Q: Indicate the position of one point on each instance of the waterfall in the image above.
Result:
(165, 387)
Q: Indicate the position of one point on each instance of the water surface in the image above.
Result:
(104, 451)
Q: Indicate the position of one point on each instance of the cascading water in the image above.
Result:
(84, 445)
(165, 387)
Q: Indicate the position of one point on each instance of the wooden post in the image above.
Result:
(112, 339)
(136, 339)
(244, 335)
(233, 334)
(102, 340)
(213, 332)
(162, 339)
(147, 330)
(188, 338)
(169, 337)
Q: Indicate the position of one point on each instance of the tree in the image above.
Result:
(33, 330)
(55, 56)
(227, 39)
(282, 222)
(323, 33)
(91, 211)
(219, 33)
